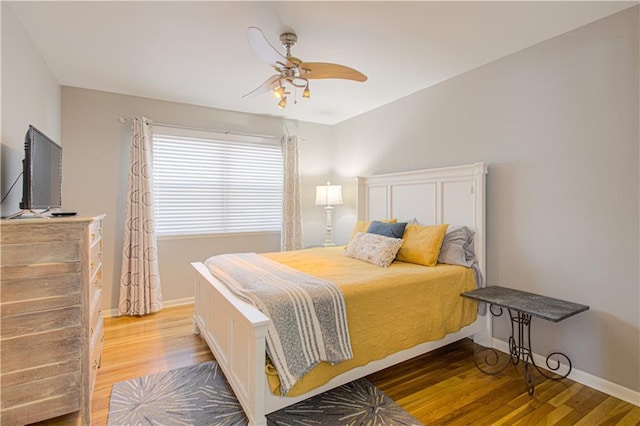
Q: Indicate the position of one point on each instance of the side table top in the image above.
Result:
(536, 305)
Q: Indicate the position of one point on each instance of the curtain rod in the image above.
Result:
(225, 132)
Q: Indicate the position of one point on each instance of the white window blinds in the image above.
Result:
(206, 185)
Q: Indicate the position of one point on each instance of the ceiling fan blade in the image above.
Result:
(265, 50)
(264, 87)
(317, 70)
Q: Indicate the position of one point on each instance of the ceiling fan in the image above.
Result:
(292, 72)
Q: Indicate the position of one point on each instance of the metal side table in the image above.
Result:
(522, 307)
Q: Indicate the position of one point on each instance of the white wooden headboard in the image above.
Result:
(453, 195)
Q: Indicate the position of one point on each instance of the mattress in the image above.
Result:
(388, 309)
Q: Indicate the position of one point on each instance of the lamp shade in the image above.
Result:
(328, 195)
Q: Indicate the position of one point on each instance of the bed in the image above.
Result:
(236, 331)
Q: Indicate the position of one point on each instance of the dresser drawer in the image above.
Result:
(34, 350)
(95, 316)
(54, 396)
(40, 253)
(95, 285)
(98, 335)
(95, 232)
(15, 326)
(23, 296)
(95, 301)
(96, 353)
(96, 280)
(96, 257)
(30, 289)
(39, 231)
(39, 270)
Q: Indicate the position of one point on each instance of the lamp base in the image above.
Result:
(328, 240)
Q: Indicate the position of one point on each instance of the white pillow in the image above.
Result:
(373, 248)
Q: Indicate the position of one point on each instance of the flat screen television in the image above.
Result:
(42, 168)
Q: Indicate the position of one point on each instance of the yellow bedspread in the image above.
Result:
(388, 309)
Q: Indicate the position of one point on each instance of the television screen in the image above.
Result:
(42, 180)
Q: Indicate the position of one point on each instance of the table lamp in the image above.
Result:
(328, 196)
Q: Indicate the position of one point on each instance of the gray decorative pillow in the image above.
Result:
(457, 247)
(373, 248)
(393, 230)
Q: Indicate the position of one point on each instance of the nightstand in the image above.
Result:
(522, 307)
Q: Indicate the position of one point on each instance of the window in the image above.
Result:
(204, 184)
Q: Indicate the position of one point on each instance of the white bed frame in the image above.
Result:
(235, 331)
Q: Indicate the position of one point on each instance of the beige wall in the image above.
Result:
(95, 173)
(30, 95)
(557, 125)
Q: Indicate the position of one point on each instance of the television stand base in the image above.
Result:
(26, 214)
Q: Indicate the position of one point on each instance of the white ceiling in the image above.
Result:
(198, 53)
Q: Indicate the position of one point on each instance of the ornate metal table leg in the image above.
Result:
(525, 353)
(553, 368)
(488, 357)
(519, 350)
(522, 350)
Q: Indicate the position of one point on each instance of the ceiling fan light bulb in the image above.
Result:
(307, 93)
(279, 92)
(283, 102)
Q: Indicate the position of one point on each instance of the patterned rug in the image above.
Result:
(200, 395)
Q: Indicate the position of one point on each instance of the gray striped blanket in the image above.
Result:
(308, 314)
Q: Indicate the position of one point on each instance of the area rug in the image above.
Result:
(200, 395)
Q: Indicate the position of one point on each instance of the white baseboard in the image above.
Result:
(166, 304)
(594, 382)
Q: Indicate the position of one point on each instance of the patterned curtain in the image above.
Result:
(292, 197)
(140, 292)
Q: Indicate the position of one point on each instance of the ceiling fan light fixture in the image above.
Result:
(293, 74)
(279, 92)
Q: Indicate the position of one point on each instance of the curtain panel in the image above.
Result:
(140, 292)
(292, 198)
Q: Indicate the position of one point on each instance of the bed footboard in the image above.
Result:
(235, 331)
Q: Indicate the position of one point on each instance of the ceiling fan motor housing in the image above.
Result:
(288, 40)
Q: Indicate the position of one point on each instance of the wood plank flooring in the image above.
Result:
(443, 387)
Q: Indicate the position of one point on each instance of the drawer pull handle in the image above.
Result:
(100, 310)
(95, 364)
(99, 254)
(96, 283)
(93, 264)
(93, 236)
(102, 338)
(91, 331)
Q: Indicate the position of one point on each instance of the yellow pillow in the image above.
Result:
(363, 226)
(422, 244)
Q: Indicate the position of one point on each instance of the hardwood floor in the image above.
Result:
(443, 387)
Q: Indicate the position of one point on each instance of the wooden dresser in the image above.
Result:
(50, 317)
